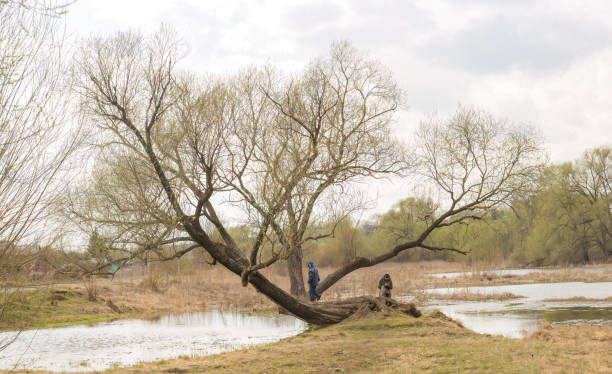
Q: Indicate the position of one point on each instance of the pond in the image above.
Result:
(518, 317)
(127, 342)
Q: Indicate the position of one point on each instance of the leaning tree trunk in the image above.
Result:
(235, 261)
(327, 313)
(294, 267)
(317, 313)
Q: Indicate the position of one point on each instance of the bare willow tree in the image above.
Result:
(280, 147)
(34, 143)
(302, 139)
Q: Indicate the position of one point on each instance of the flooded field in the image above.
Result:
(127, 342)
(517, 318)
(519, 272)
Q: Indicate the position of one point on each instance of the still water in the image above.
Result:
(519, 272)
(127, 342)
(518, 317)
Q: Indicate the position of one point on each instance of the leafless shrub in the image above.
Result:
(91, 287)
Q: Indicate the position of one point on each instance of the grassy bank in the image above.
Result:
(142, 297)
(392, 343)
(466, 295)
(72, 304)
(54, 308)
(378, 343)
(215, 287)
(485, 278)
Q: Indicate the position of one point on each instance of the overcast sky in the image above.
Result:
(547, 63)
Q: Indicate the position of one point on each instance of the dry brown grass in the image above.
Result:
(569, 275)
(543, 332)
(584, 348)
(158, 294)
(222, 289)
(408, 278)
(219, 288)
(91, 287)
(215, 287)
(401, 344)
(466, 295)
(581, 299)
(485, 278)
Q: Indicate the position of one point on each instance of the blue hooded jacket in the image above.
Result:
(313, 274)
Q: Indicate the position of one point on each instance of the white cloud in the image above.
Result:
(546, 62)
(572, 107)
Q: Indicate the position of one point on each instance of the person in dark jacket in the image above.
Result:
(313, 281)
(385, 285)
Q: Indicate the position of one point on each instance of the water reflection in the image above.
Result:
(127, 342)
(517, 318)
(506, 324)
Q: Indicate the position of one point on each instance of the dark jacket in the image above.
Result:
(313, 275)
(385, 281)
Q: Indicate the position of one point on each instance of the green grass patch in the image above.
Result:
(50, 307)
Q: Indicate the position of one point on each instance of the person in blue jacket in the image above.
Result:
(313, 281)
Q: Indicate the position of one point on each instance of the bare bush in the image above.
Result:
(91, 287)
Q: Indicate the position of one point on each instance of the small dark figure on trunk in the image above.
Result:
(385, 285)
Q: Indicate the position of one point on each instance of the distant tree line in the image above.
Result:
(566, 219)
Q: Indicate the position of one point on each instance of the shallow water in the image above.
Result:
(540, 291)
(127, 342)
(518, 317)
(522, 271)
